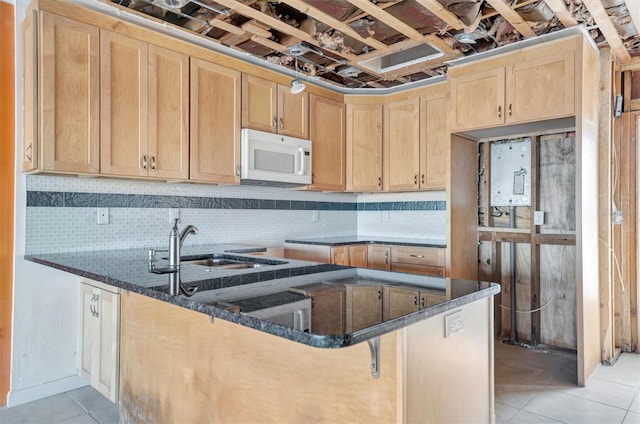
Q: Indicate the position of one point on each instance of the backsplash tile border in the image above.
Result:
(111, 200)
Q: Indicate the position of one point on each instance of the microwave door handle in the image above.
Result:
(301, 157)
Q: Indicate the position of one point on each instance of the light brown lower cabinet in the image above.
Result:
(399, 301)
(327, 307)
(224, 372)
(363, 306)
(99, 357)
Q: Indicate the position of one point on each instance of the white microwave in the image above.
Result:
(272, 159)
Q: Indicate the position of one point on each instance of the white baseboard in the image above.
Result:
(18, 397)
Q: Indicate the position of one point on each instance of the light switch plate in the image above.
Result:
(103, 216)
(315, 216)
(453, 323)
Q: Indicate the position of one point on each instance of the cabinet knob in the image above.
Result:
(281, 123)
(415, 300)
(27, 152)
(500, 111)
(379, 181)
(510, 110)
(379, 294)
(415, 179)
(237, 170)
(422, 302)
(97, 306)
(143, 162)
(153, 163)
(422, 179)
(274, 123)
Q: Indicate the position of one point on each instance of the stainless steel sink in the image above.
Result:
(221, 261)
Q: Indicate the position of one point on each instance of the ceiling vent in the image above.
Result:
(402, 59)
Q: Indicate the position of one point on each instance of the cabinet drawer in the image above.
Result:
(418, 255)
(436, 271)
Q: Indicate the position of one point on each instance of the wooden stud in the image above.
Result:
(335, 23)
(559, 8)
(599, 14)
(512, 17)
(439, 10)
(269, 43)
(277, 24)
(534, 275)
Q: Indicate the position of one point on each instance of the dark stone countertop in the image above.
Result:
(127, 269)
(343, 241)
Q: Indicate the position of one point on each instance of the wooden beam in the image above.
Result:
(599, 14)
(269, 43)
(559, 8)
(361, 15)
(256, 28)
(334, 23)
(386, 18)
(512, 17)
(439, 10)
(278, 25)
(534, 265)
(225, 26)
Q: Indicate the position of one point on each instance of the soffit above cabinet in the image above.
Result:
(369, 44)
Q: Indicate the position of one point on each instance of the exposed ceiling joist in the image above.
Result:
(600, 16)
(334, 23)
(634, 12)
(379, 14)
(559, 8)
(512, 17)
(438, 9)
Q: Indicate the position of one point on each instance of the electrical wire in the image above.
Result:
(615, 260)
(555, 292)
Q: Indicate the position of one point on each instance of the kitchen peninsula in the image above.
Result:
(197, 359)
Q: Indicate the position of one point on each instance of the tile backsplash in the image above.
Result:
(62, 214)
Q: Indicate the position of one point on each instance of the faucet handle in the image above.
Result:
(152, 253)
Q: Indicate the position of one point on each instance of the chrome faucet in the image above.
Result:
(175, 245)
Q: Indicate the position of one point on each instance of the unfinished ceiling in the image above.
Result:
(376, 44)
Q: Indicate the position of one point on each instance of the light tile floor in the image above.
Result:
(531, 387)
(80, 406)
(537, 387)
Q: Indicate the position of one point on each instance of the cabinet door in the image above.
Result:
(542, 88)
(293, 113)
(430, 299)
(363, 306)
(328, 140)
(124, 98)
(215, 123)
(435, 139)
(340, 255)
(100, 339)
(358, 256)
(327, 311)
(398, 301)
(379, 257)
(68, 92)
(259, 100)
(478, 99)
(108, 317)
(401, 145)
(168, 114)
(364, 147)
(30, 91)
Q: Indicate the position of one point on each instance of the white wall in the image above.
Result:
(45, 303)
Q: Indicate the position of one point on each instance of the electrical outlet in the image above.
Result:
(103, 216)
(385, 215)
(453, 323)
(538, 218)
(173, 215)
(315, 216)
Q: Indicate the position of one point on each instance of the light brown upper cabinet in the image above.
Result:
(379, 257)
(124, 105)
(145, 109)
(358, 255)
(364, 147)
(62, 81)
(215, 123)
(327, 130)
(524, 86)
(269, 106)
(434, 139)
(401, 145)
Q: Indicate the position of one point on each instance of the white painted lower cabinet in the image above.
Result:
(99, 358)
